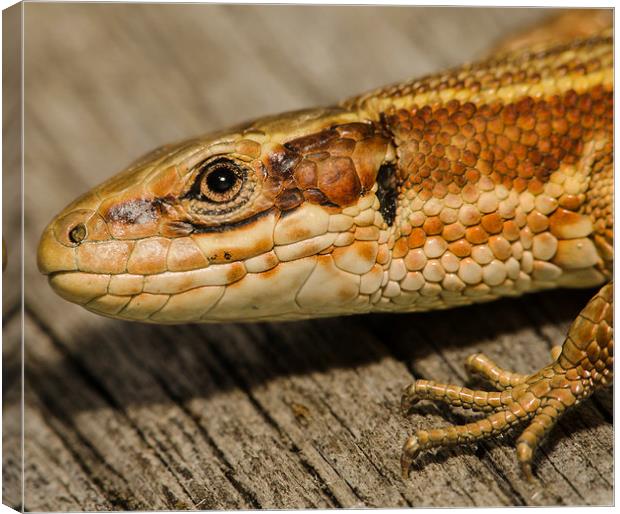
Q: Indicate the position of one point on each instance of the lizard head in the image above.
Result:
(284, 217)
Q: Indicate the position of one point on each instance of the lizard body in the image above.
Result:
(490, 180)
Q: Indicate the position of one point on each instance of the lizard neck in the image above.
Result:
(492, 183)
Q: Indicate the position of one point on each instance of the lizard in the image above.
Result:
(488, 180)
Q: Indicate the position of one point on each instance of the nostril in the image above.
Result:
(78, 233)
(73, 228)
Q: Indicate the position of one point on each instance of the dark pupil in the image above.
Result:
(221, 180)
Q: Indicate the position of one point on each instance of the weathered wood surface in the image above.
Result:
(132, 416)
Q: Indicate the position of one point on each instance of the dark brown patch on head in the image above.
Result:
(339, 164)
(338, 181)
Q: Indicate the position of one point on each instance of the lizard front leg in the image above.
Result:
(584, 364)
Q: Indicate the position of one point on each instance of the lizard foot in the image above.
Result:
(583, 364)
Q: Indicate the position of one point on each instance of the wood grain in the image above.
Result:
(305, 414)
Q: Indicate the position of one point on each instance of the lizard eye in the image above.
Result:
(220, 181)
(220, 187)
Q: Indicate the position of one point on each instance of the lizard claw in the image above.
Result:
(408, 399)
(411, 449)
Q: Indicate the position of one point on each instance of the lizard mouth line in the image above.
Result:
(87, 285)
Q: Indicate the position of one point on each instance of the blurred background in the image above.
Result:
(119, 415)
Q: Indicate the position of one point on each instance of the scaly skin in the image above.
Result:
(491, 180)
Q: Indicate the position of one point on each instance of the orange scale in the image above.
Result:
(575, 132)
(419, 159)
(573, 115)
(468, 158)
(432, 161)
(460, 248)
(511, 230)
(526, 122)
(529, 138)
(496, 107)
(570, 202)
(418, 123)
(544, 145)
(492, 223)
(460, 181)
(513, 133)
(452, 152)
(597, 92)
(550, 163)
(441, 115)
(417, 238)
(570, 98)
(484, 167)
(503, 142)
(437, 175)
(508, 181)
(416, 134)
(453, 231)
(559, 125)
(443, 164)
(519, 184)
(460, 118)
(476, 235)
(425, 146)
(498, 154)
(432, 225)
(496, 126)
(558, 113)
(535, 186)
(520, 151)
(587, 122)
(440, 190)
(401, 248)
(444, 138)
(543, 129)
(501, 168)
(537, 222)
(454, 188)
(433, 127)
(584, 103)
(599, 109)
(524, 105)
(472, 175)
(450, 128)
(469, 109)
(426, 193)
(479, 124)
(458, 168)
